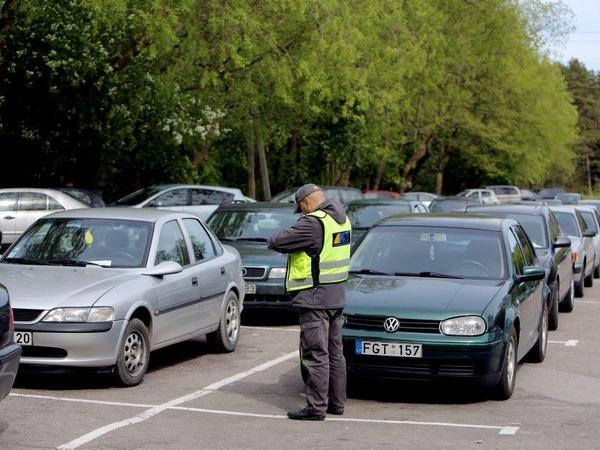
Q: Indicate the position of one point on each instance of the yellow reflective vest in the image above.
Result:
(334, 259)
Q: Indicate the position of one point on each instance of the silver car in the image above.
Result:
(573, 225)
(103, 287)
(197, 199)
(20, 207)
(592, 219)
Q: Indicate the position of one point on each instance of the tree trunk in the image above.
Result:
(250, 143)
(262, 159)
(418, 154)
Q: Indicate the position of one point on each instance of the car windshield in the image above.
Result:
(363, 216)
(430, 251)
(79, 242)
(138, 196)
(250, 225)
(534, 225)
(588, 216)
(449, 205)
(568, 223)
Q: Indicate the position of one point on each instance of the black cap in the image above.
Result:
(303, 192)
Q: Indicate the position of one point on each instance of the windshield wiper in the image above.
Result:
(436, 275)
(23, 261)
(368, 272)
(73, 262)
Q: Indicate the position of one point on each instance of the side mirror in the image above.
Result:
(531, 273)
(589, 233)
(561, 242)
(164, 268)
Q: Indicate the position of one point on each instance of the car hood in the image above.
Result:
(46, 287)
(258, 254)
(415, 297)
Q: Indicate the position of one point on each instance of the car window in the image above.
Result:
(210, 197)
(171, 245)
(534, 227)
(8, 201)
(201, 242)
(516, 255)
(582, 223)
(528, 252)
(568, 223)
(588, 216)
(35, 201)
(233, 225)
(363, 216)
(554, 227)
(174, 197)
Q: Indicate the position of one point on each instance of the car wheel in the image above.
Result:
(134, 354)
(597, 271)
(553, 314)
(579, 286)
(569, 301)
(506, 385)
(538, 352)
(589, 280)
(226, 337)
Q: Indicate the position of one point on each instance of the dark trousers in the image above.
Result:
(323, 358)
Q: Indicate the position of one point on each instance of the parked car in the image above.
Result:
(200, 200)
(573, 225)
(100, 288)
(425, 197)
(10, 351)
(452, 204)
(568, 198)
(529, 195)
(364, 213)
(87, 196)
(590, 201)
(343, 193)
(445, 297)
(487, 196)
(20, 207)
(506, 193)
(592, 219)
(381, 194)
(246, 226)
(552, 248)
(550, 193)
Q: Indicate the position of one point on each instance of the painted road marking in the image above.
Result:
(569, 343)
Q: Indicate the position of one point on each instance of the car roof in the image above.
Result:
(457, 220)
(517, 208)
(382, 201)
(257, 206)
(119, 212)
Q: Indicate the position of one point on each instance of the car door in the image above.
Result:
(562, 256)
(8, 217)
(527, 292)
(211, 271)
(178, 293)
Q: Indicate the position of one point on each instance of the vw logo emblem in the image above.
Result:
(391, 324)
(244, 271)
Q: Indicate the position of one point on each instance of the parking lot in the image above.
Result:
(194, 399)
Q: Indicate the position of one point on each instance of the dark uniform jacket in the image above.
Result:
(307, 235)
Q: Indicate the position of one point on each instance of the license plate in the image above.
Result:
(398, 349)
(24, 337)
(250, 288)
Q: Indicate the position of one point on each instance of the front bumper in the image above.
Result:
(72, 345)
(268, 295)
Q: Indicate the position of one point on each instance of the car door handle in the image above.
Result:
(9, 217)
(194, 281)
(222, 270)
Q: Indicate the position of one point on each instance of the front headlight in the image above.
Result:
(463, 326)
(277, 272)
(80, 315)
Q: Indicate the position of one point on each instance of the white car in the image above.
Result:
(101, 288)
(592, 219)
(197, 199)
(487, 196)
(20, 207)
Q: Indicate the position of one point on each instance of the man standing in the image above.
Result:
(319, 254)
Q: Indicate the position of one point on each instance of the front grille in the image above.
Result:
(26, 315)
(254, 273)
(406, 325)
(456, 370)
(282, 300)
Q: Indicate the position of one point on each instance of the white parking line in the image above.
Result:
(569, 343)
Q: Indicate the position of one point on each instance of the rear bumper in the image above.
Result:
(10, 357)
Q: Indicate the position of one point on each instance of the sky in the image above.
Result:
(584, 42)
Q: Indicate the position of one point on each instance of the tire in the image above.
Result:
(569, 301)
(134, 354)
(538, 352)
(579, 287)
(553, 307)
(597, 271)
(589, 280)
(506, 385)
(225, 339)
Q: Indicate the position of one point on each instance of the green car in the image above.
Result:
(436, 297)
(246, 226)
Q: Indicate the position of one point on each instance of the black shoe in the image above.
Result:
(335, 411)
(303, 414)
